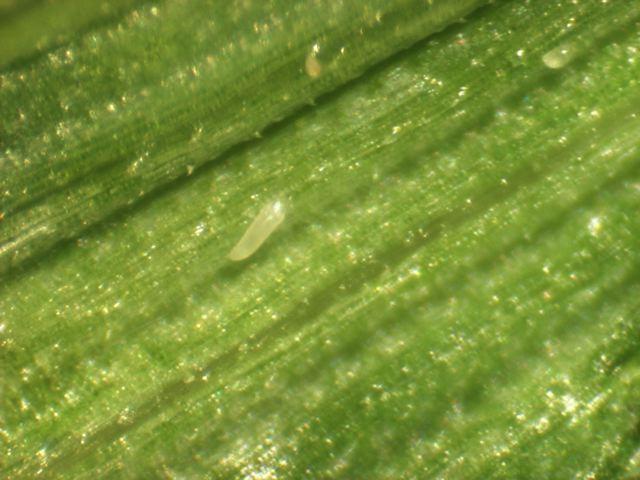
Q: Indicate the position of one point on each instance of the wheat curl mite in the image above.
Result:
(267, 220)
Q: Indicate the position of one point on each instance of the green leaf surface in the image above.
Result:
(454, 291)
(129, 108)
(30, 27)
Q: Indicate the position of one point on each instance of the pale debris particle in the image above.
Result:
(267, 220)
(541, 425)
(312, 66)
(595, 226)
(569, 404)
(200, 229)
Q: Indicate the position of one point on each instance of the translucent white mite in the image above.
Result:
(267, 220)
(559, 56)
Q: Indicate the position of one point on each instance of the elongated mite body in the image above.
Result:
(267, 220)
(560, 56)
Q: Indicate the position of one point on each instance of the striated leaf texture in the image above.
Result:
(454, 291)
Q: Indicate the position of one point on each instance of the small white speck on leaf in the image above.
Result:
(267, 220)
(595, 226)
(569, 404)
